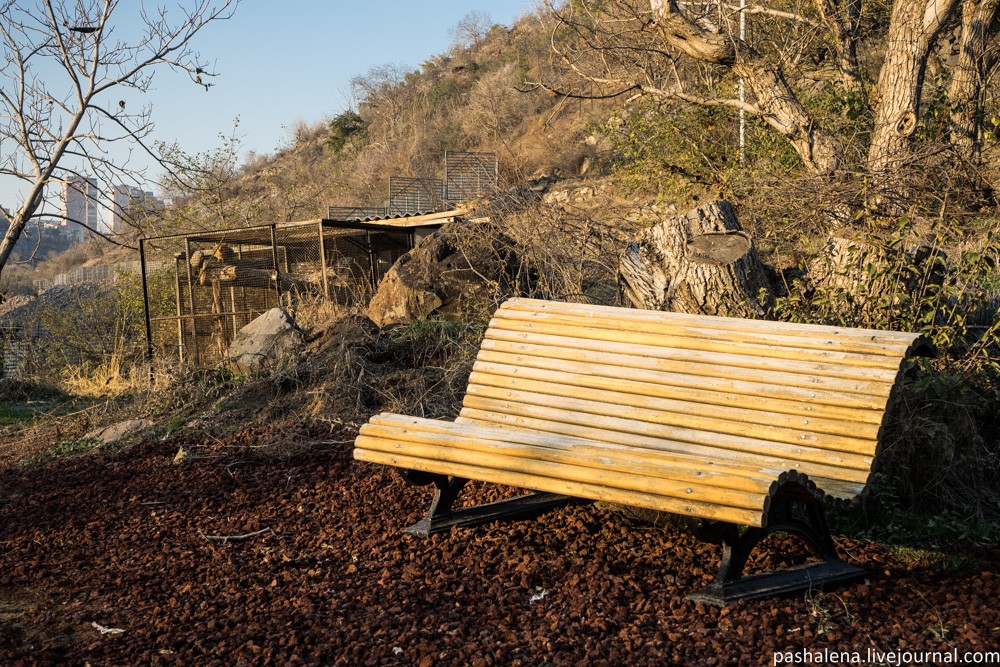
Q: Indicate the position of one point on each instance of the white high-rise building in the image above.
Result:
(80, 204)
(125, 202)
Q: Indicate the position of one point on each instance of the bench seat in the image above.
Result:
(663, 477)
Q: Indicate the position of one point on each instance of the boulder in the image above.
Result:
(268, 341)
(445, 272)
(120, 431)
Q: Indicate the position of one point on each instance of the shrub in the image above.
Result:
(343, 128)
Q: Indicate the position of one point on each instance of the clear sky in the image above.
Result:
(280, 62)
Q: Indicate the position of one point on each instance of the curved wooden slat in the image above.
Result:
(613, 313)
(678, 439)
(723, 346)
(606, 456)
(791, 409)
(855, 469)
(450, 450)
(703, 329)
(864, 394)
(654, 412)
(726, 358)
(685, 507)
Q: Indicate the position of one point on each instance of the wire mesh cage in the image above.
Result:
(201, 289)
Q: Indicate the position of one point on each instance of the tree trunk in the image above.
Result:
(912, 29)
(779, 107)
(969, 76)
(699, 262)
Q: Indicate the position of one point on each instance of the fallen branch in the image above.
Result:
(229, 468)
(234, 538)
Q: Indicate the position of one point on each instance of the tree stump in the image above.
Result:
(866, 281)
(698, 262)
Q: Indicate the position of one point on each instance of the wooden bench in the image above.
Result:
(734, 423)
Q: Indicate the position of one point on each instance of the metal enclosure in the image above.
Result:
(200, 289)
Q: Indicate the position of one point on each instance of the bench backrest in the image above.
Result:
(768, 394)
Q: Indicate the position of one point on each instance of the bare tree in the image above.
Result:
(72, 72)
(472, 29)
(693, 52)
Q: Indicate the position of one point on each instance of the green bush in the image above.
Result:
(343, 128)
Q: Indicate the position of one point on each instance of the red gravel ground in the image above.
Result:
(121, 542)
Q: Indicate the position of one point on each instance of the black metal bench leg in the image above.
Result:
(731, 585)
(441, 516)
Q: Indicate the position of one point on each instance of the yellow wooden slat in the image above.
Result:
(636, 383)
(853, 393)
(625, 315)
(706, 416)
(703, 329)
(846, 359)
(686, 507)
(635, 461)
(838, 488)
(624, 479)
(658, 446)
(681, 440)
(476, 424)
(609, 405)
(811, 370)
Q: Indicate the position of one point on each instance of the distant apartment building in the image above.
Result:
(81, 204)
(125, 202)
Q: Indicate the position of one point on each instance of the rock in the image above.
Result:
(444, 272)
(268, 341)
(120, 431)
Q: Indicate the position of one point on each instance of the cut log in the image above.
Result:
(243, 273)
(698, 262)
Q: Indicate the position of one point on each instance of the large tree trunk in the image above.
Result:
(969, 77)
(912, 29)
(698, 262)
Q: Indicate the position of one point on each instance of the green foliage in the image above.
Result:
(950, 531)
(887, 285)
(13, 414)
(91, 331)
(430, 342)
(343, 128)
(447, 91)
(677, 145)
(941, 446)
(66, 447)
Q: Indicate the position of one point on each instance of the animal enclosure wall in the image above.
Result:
(210, 285)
